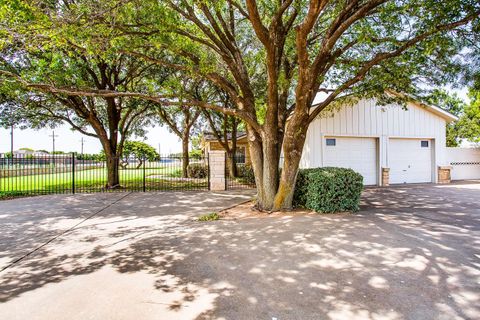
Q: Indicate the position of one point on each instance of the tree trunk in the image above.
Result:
(185, 156)
(232, 164)
(275, 192)
(140, 162)
(233, 151)
(293, 142)
(113, 176)
(286, 188)
(265, 158)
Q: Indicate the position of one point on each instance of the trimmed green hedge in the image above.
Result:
(328, 189)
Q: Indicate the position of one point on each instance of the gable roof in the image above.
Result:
(208, 136)
(431, 108)
(438, 111)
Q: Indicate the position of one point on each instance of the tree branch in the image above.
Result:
(379, 57)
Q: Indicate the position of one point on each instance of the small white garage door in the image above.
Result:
(410, 160)
(359, 154)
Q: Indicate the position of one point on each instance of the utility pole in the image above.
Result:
(53, 135)
(11, 140)
(82, 147)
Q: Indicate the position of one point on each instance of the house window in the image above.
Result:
(331, 142)
(424, 144)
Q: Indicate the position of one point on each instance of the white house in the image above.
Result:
(386, 144)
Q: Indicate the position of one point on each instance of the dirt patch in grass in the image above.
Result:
(246, 210)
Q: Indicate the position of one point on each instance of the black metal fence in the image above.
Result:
(239, 172)
(67, 173)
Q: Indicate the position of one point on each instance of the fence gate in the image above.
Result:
(238, 172)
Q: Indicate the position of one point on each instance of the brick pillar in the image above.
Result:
(444, 174)
(217, 170)
(385, 177)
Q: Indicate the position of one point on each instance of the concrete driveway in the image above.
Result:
(412, 252)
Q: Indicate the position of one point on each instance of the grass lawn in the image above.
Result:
(92, 180)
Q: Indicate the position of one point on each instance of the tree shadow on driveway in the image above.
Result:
(410, 253)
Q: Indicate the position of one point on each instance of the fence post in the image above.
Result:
(208, 171)
(73, 172)
(144, 178)
(217, 170)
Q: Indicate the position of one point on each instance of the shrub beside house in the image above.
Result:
(328, 190)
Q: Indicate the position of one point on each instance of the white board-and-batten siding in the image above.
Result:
(367, 119)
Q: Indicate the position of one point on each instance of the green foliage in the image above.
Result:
(469, 123)
(91, 156)
(196, 141)
(328, 189)
(453, 104)
(48, 48)
(209, 217)
(101, 156)
(139, 150)
(27, 149)
(6, 195)
(197, 171)
(195, 154)
(245, 172)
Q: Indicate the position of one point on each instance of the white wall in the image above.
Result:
(465, 163)
(367, 119)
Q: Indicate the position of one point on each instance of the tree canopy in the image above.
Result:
(52, 73)
(270, 57)
(139, 151)
(469, 123)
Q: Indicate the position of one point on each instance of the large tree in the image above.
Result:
(273, 57)
(348, 49)
(139, 151)
(49, 79)
(110, 119)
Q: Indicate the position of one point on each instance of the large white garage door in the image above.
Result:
(359, 154)
(410, 160)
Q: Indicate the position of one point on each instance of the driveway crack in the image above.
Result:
(64, 232)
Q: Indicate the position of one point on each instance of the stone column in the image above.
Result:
(216, 163)
(385, 177)
(444, 175)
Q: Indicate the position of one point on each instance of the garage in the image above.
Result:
(359, 154)
(410, 160)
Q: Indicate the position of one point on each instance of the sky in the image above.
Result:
(68, 140)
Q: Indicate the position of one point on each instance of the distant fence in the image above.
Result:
(67, 174)
(465, 163)
(242, 176)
